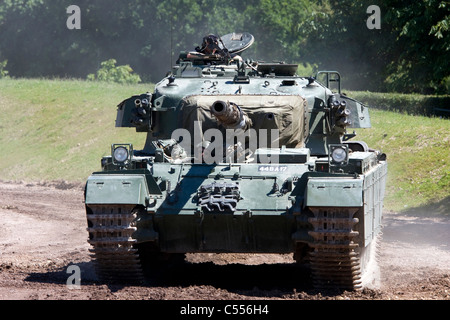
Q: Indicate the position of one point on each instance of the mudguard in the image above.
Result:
(324, 192)
(127, 189)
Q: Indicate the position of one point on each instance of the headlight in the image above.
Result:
(339, 154)
(120, 154)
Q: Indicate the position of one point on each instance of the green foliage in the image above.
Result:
(422, 46)
(446, 84)
(307, 69)
(413, 104)
(3, 72)
(279, 28)
(110, 73)
(443, 26)
(408, 54)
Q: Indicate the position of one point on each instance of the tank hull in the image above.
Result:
(268, 215)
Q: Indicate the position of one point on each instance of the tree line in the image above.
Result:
(407, 51)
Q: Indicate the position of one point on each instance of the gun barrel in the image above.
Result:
(220, 109)
(137, 102)
(230, 115)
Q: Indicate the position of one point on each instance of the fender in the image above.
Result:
(117, 189)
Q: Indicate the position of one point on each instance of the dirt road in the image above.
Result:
(43, 233)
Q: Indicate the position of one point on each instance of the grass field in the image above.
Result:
(418, 154)
(60, 129)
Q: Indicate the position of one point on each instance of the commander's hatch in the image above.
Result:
(234, 43)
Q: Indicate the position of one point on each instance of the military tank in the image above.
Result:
(241, 156)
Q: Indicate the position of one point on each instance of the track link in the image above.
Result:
(110, 230)
(335, 261)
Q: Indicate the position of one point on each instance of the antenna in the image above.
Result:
(171, 36)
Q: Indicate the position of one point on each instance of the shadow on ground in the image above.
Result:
(265, 280)
(439, 209)
(425, 225)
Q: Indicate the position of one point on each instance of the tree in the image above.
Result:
(408, 54)
(279, 28)
(109, 72)
(422, 45)
(339, 39)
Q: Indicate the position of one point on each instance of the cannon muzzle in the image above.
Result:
(230, 115)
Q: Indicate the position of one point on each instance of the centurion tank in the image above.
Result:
(241, 156)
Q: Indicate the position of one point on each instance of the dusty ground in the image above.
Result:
(43, 232)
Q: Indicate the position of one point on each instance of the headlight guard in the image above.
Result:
(121, 153)
(338, 154)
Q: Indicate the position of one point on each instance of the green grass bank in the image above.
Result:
(60, 129)
(418, 154)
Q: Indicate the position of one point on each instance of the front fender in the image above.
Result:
(116, 189)
(334, 192)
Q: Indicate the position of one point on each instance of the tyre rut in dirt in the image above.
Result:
(110, 230)
(335, 260)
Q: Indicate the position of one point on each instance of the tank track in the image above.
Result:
(336, 259)
(110, 230)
